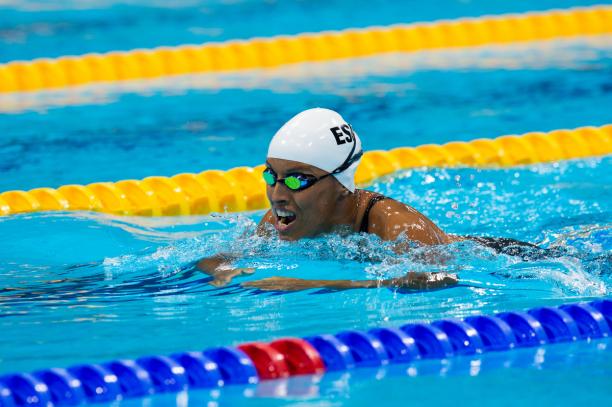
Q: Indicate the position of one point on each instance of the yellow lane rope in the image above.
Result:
(242, 188)
(46, 73)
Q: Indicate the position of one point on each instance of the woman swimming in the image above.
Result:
(310, 177)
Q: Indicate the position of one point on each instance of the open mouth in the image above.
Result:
(285, 217)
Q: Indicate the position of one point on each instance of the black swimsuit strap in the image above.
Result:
(527, 251)
(366, 214)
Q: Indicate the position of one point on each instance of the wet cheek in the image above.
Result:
(269, 193)
(310, 216)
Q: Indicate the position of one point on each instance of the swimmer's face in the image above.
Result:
(305, 213)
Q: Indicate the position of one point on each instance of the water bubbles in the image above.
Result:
(143, 269)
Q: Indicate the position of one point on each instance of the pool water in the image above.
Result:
(197, 122)
(96, 287)
(89, 287)
(51, 28)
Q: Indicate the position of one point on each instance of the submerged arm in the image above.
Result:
(412, 280)
(219, 267)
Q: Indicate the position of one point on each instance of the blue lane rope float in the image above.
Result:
(558, 324)
(253, 362)
(464, 338)
(336, 354)
(527, 329)
(432, 342)
(234, 366)
(366, 349)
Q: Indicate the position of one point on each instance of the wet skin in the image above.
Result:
(327, 207)
(321, 208)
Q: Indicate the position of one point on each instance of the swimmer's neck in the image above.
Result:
(345, 218)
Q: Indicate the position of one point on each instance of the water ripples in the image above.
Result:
(84, 275)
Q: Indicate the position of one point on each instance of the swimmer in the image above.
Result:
(310, 183)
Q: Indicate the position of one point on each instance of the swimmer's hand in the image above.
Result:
(412, 280)
(422, 281)
(219, 267)
(224, 277)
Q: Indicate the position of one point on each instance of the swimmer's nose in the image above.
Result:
(279, 194)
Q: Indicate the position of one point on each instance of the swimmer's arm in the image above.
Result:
(219, 267)
(263, 228)
(412, 280)
(391, 219)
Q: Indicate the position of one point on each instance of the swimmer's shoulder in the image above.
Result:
(389, 219)
(262, 228)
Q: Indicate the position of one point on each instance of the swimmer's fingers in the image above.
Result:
(428, 281)
(245, 271)
(441, 280)
(425, 281)
(224, 277)
(445, 280)
(218, 282)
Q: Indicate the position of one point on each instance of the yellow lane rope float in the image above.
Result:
(243, 188)
(46, 73)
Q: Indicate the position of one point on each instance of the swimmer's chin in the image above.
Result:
(340, 230)
(287, 238)
(293, 235)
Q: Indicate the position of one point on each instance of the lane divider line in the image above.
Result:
(53, 73)
(250, 363)
(243, 189)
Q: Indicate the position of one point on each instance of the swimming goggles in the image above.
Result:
(295, 182)
(299, 182)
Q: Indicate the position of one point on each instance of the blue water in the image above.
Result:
(88, 287)
(186, 124)
(92, 285)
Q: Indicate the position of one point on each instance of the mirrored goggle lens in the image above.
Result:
(269, 178)
(294, 183)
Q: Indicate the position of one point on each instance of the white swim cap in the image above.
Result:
(322, 138)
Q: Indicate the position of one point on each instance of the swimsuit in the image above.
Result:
(511, 247)
(365, 221)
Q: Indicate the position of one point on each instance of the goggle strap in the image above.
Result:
(350, 159)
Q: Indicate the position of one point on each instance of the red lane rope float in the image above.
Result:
(300, 356)
(250, 362)
(269, 362)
